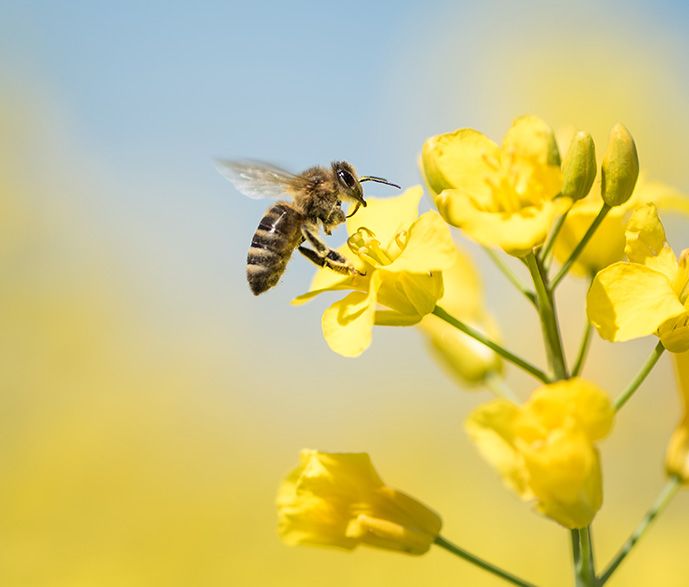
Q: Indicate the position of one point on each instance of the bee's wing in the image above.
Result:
(258, 180)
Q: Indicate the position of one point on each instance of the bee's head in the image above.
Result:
(350, 184)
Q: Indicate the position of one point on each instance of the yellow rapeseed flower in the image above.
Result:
(649, 293)
(677, 456)
(607, 244)
(501, 196)
(334, 499)
(402, 256)
(545, 451)
(464, 357)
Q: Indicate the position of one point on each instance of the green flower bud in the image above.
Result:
(620, 167)
(579, 167)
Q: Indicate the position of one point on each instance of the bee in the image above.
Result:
(316, 201)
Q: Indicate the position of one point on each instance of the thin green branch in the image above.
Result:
(582, 558)
(665, 496)
(503, 352)
(509, 274)
(623, 398)
(486, 566)
(580, 246)
(583, 349)
(496, 383)
(552, 237)
(549, 322)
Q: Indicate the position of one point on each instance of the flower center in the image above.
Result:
(365, 244)
(506, 182)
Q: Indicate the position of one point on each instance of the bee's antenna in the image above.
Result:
(378, 180)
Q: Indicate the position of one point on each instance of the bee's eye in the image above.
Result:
(346, 178)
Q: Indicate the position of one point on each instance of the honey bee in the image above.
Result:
(316, 201)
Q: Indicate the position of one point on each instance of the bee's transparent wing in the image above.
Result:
(257, 179)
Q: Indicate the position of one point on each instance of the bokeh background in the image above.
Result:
(150, 404)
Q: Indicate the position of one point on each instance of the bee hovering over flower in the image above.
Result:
(316, 201)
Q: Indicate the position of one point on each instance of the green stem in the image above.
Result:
(623, 398)
(486, 566)
(584, 568)
(546, 312)
(664, 497)
(552, 237)
(496, 383)
(583, 349)
(507, 272)
(503, 352)
(580, 246)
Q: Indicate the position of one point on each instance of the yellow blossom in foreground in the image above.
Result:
(607, 244)
(334, 499)
(465, 358)
(677, 456)
(402, 255)
(501, 196)
(649, 293)
(545, 451)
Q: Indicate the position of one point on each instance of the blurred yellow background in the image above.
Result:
(150, 405)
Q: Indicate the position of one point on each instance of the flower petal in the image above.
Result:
(662, 195)
(557, 403)
(646, 243)
(411, 294)
(328, 280)
(565, 477)
(385, 217)
(348, 324)
(492, 428)
(628, 300)
(459, 159)
(674, 333)
(516, 233)
(429, 247)
(531, 137)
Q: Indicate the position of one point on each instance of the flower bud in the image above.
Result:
(579, 167)
(334, 499)
(620, 167)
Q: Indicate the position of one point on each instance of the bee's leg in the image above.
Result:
(313, 256)
(337, 216)
(324, 256)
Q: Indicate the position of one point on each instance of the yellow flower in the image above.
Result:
(334, 499)
(646, 295)
(607, 244)
(501, 196)
(402, 255)
(466, 359)
(677, 456)
(545, 451)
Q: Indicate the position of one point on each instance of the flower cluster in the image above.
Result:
(555, 216)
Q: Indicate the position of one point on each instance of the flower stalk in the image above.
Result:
(624, 397)
(549, 322)
(665, 496)
(485, 565)
(511, 277)
(503, 352)
(584, 567)
(580, 246)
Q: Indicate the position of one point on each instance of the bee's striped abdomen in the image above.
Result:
(278, 233)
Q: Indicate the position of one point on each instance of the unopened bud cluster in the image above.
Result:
(619, 170)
